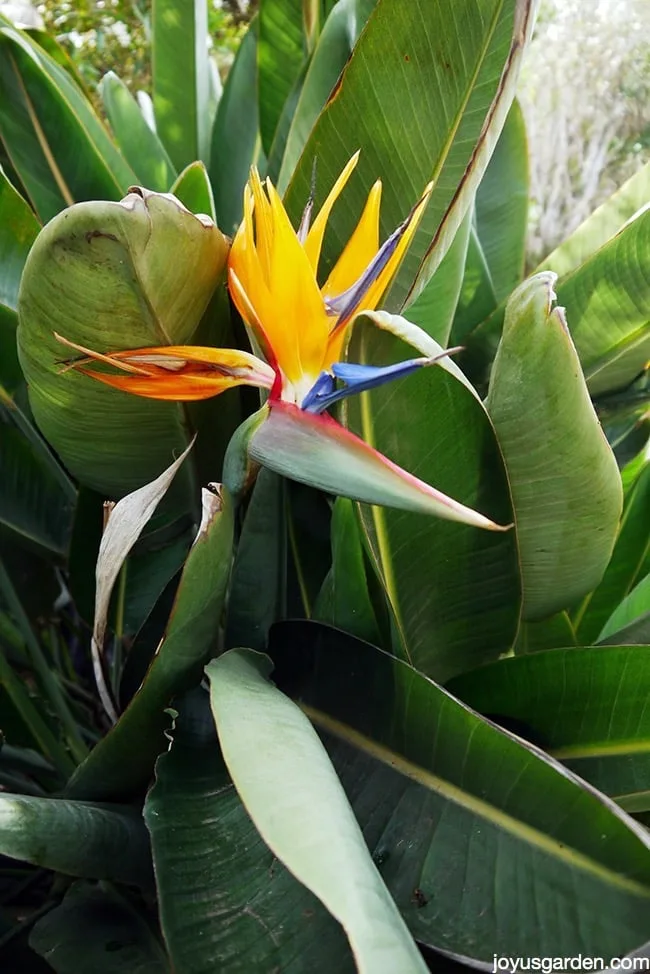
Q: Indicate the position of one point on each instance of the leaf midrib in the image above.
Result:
(477, 806)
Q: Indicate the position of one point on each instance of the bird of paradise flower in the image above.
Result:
(301, 332)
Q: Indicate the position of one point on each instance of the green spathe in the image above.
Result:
(566, 488)
(108, 276)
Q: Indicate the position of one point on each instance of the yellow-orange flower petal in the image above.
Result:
(375, 292)
(314, 240)
(176, 372)
(360, 248)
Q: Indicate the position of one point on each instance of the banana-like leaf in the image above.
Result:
(37, 499)
(628, 564)
(141, 147)
(257, 596)
(194, 191)
(226, 903)
(601, 226)
(281, 51)
(344, 600)
(54, 139)
(285, 780)
(608, 306)
(633, 610)
(450, 808)
(76, 838)
(235, 134)
(497, 246)
(122, 762)
(110, 276)
(438, 575)
(424, 96)
(181, 79)
(18, 231)
(435, 307)
(566, 520)
(586, 706)
(94, 927)
(334, 47)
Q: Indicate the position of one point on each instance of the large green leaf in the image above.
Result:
(632, 611)
(122, 762)
(18, 230)
(36, 497)
(487, 845)
(586, 706)
(101, 275)
(257, 596)
(235, 135)
(226, 903)
(454, 590)
(344, 600)
(603, 223)
(142, 148)
(608, 306)
(181, 84)
(496, 252)
(280, 55)
(628, 562)
(76, 838)
(53, 137)
(335, 44)
(194, 191)
(95, 928)
(285, 780)
(435, 306)
(424, 96)
(550, 436)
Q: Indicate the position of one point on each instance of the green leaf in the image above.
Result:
(76, 838)
(226, 903)
(37, 499)
(121, 764)
(18, 230)
(550, 436)
(11, 376)
(194, 191)
(344, 599)
(545, 634)
(121, 291)
(447, 64)
(586, 706)
(181, 84)
(608, 304)
(450, 807)
(335, 44)
(280, 56)
(96, 928)
(633, 608)
(495, 258)
(435, 307)
(454, 591)
(141, 147)
(285, 779)
(626, 566)
(594, 232)
(59, 147)
(257, 595)
(235, 135)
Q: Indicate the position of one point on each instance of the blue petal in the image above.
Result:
(355, 378)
